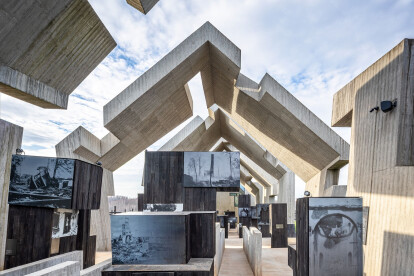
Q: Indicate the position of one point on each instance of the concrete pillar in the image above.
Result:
(10, 139)
(287, 194)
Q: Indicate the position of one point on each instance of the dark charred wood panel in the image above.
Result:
(244, 201)
(31, 227)
(302, 236)
(87, 185)
(140, 202)
(279, 225)
(67, 244)
(200, 199)
(203, 235)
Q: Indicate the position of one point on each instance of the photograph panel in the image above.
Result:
(172, 207)
(65, 223)
(41, 181)
(148, 239)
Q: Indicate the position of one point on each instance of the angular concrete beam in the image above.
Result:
(285, 127)
(205, 50)
(48, 48)
(143, 6)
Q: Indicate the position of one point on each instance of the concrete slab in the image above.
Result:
(143, 6)
(48, 48)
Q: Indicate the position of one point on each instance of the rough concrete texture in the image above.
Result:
(268, 112)
(252, 246)
(75, 256)
(381, 163)
(68, 268)
(10, 139)
(143, 6)
(48, 48)
(97, 269)
(220, 246)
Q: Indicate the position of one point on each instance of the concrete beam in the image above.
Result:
(143, 6)
(10, 139)
(47, 49)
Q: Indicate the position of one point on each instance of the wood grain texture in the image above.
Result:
(87, 185)
(67, 244)
(279, 225)
(32, 228)
(140, 202)
(292, 258)
(163, 183)
(203, 235)
(302, 236)
(244, 201)
(84, 241)
(224, 220)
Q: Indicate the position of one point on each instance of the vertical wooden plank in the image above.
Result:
(32, 228)
(140, 202)
(67, 244)
(302, 236)
(279, 225)
(203, 235)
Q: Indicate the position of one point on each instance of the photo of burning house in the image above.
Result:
(148, 239)
(335, 236)
(212, 169)
(65, 223)
(41, 181)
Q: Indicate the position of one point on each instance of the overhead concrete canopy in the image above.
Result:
(143, 6)
(265, 110)
(199, 135)
(47, 48)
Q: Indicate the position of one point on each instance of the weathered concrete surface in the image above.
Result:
(75, 256)
(220, 246)
(97, 269)
(68, 268)
(381, 167)
(234, 260)
(83, 145)
(287, 195)
(10, 139)
(143, 6)
(48, 48)
(268, 112)
(252, 246)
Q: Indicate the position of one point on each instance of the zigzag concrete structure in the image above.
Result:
(48, 48)
(160, 100)
(267, 111)
(143, 6)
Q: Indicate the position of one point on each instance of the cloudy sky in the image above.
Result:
(313, 48)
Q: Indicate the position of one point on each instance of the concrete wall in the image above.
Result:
(96, 270)
(252, 246)
(75, 256)
(287, 194)
(381, 167)
(220, 246)
(10, 139)
(225, 202)
(68, 268)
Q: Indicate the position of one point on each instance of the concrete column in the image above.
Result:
(10, 139)
(287, 194)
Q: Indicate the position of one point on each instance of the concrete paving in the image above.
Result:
(234, 260)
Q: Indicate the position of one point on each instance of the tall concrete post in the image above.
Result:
(10, 139)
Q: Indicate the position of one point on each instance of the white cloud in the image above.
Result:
(313, 48)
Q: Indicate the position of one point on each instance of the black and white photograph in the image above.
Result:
(148, 239)
(253, 210)
(335, 236)
(41, 181)
(263, 214)
(244, 212)
(65, 223)
(173, 207)
(212, 169)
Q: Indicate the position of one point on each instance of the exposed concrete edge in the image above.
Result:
(143, 6)
(206, 33)
(76, 256)
(25, 88)
(65, 268)
(96, 269)
(252, 246)
(271, 87)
